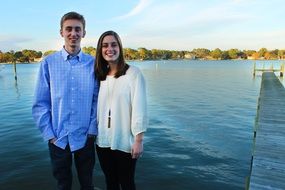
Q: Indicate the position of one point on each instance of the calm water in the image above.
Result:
(201, 116)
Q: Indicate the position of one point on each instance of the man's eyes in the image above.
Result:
(69, 29)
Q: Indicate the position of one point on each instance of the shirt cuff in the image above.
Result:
(48, 134)
(93, 130)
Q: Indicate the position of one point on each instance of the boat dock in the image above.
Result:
(270, 69)
(267, 170)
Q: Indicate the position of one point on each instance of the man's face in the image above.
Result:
(72, 31)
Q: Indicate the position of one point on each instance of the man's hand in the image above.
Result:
(52, 140)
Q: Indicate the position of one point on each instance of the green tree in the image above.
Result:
(49, 52)
(248, 53)
(262, 52)
(201, 52)
(166, 54)
(156, 54)
(9, 57)
(225, 55)
(281, 54)
(130, 54)
(216, 53)
(89, 50)
(20, 57)
(32, 54)
(274, 54)
(144, 54)
(177, 54)
(233, 53)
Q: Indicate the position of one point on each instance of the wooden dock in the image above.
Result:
(271, 68)
(267, 169)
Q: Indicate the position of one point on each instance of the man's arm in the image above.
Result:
(93, 118)
(41, 109)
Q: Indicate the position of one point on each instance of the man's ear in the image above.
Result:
(61, 32)
(84, 33)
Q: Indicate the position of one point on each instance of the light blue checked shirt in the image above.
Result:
(65, 101)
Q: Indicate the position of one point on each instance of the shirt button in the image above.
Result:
(72, 77)
(72, 88)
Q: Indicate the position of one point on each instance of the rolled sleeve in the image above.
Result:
(139, 106)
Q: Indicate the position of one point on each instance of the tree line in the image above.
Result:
(27, 56)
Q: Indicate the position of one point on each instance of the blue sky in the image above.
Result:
(160, 24)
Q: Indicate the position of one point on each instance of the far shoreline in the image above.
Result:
(138, 60)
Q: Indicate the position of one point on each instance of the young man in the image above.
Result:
(65, 106)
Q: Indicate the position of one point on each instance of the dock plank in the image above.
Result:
(268, 161)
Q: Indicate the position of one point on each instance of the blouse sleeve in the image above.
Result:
(139, 105)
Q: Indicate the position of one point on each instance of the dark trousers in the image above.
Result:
(84, 159)
(118, 167)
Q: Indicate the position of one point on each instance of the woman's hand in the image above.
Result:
(137, 148)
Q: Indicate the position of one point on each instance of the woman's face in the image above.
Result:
(110, 49)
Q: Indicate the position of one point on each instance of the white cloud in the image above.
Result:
(143, 4)
(174, 20)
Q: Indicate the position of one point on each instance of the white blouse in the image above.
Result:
(125, 97)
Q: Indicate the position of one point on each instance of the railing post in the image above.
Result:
(282, 70)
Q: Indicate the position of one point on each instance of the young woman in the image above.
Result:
(121, 113)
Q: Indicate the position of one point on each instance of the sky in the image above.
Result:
(152, 24)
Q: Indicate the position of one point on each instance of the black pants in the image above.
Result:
(118, 167)
(84, 159)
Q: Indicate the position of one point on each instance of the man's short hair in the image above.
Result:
(72, 15)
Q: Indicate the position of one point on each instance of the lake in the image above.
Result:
(200, 135)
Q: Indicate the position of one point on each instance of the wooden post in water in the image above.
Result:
(282, 70)
(15, 70)
(254, 67)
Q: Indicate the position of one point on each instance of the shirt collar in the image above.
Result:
(65, 54)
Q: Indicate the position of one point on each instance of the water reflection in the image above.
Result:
(18, 94)
(200, 131)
